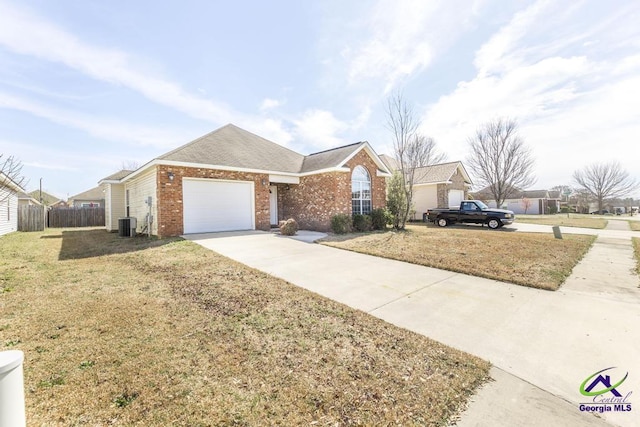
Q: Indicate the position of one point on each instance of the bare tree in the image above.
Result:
(526, 204)
(10, 176)
(411, 150)
(500, 160)
(605, 181)
(130, 165)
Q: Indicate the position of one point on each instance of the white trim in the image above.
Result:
(376, 159)
(6, 181)
(382, 168)
(157, 162)
(424, 184)
(284, 179)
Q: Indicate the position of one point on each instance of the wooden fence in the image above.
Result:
(75, 217)
(31, 218)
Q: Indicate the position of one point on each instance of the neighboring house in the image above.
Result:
(231, 179)
(530, 202)
(47, 199)
(438, 186)
(93, 198)
(24, 199)
(9, 191)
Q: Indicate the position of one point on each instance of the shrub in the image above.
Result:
(288, 227)
(380, 218)
(341, 223)
(397, 200)
(362, 222)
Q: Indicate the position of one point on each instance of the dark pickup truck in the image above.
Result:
(471, 211)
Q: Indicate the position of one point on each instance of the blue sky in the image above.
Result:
(86, 87)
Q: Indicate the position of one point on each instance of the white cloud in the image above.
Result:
(576, 104)
(25, 33)
(318, 129)
(403, 38)
(269, 104)
(99, 127)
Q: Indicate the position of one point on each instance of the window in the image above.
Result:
(360, 191)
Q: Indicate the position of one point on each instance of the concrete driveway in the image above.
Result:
(552, 340)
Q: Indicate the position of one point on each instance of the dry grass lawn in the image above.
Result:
(163, 332)
(530, 259)
(565, 220)
(636, 247)
(634, 225)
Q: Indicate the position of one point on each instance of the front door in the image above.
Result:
(273, 204)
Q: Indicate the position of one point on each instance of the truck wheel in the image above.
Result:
(493, 223)
(442, 222)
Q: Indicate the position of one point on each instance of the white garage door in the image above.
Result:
(214, 205)
(455, 197)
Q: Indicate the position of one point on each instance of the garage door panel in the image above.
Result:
(215, 205)
(455, 197)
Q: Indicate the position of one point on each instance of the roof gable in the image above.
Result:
(92, 194)
(432, 174)
(234, 147)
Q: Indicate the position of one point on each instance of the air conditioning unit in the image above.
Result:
(127, 226)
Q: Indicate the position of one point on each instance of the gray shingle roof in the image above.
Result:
(435, 173)
(93, 194)
(235, 147)
(118, 175)
(392, 164)
(329, 158)
(441, 172)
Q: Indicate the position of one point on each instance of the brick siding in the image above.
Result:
(317, 198)
(311, 203)
(457, 183)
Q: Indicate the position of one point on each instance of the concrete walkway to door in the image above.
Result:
(548, 342)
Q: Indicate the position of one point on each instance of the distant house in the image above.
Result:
(47, 199)
(25, 199)
(530, 202)
(9, 191)
(437, 186)
(93, 198)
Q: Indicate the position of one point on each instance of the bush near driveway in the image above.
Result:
(564, 220)
(163, 332)
(530, 259)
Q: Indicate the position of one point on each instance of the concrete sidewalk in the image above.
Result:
(551, 340)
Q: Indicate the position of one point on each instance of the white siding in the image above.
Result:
(140, 188)
(114, 205)
(424, 197)
(8, 211)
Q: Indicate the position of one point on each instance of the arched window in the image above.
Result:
(360, 191)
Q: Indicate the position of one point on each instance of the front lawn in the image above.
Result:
(634, 225)
(531, 259)
(565, 220)
(164, 332)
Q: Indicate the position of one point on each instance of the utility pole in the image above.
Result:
(40, 190)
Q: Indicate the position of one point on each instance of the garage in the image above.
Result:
(455, 197)
(216, 205)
